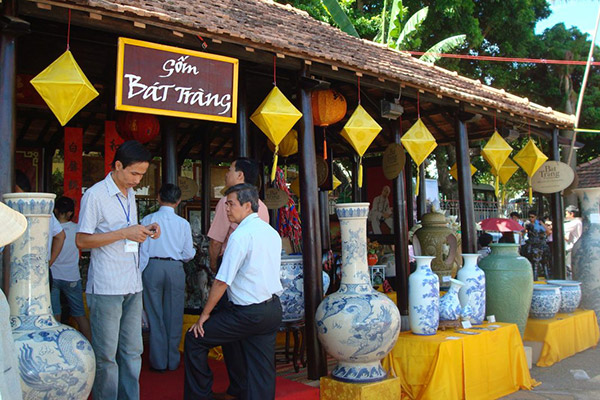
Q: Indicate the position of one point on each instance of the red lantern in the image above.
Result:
(328, 107)
(136, 126)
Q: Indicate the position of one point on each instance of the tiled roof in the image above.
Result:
(270, 26)
(589, 174)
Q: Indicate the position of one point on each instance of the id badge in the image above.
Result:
(131, 246)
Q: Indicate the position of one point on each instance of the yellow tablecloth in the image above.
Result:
(563, 335)
(489, 365)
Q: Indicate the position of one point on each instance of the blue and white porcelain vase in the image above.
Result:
(357, 325)
(291, 275)
(570, 294)
(55, 360)
(545, 301)
(450, 308)
(423, 298)
(473, 290)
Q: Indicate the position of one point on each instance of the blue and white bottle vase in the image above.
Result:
(423, 298)
(357, 325)
(473, 291)
(450, 309)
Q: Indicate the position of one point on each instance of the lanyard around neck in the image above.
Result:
(127, 213)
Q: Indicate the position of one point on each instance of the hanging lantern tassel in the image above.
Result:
(324, 143)
(418, 180)
(360, 173)
(497, 186)
(530, 190)
(274, 168)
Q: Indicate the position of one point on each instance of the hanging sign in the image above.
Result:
(188, 187)
(275, 198)
(393, 162)
(73, 164)
(552, 177)
(165, 80)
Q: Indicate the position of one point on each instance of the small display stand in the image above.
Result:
(336, 390)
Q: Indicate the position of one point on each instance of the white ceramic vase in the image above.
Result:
(423, 298)
(473, 291)
(545, 301)
(55, 360)
(570, 294)
(357, 325)
(450, 309)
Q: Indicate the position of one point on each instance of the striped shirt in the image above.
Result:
(105, 209)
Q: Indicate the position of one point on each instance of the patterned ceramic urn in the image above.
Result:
(450, 309)
(545, 301)
(570, 294)
(423, 298)
(473, 291)
(55, 360)
(357, 325)
(586, 252)
(292, 280)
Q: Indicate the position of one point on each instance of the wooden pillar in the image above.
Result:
(241, 145)
(465, 188)
(311, 235)
(324, 219)
(356, 191)
(422, 198)
(169, 151)
(558, 228)
(206, 184)
(400, 233)
(408, 185)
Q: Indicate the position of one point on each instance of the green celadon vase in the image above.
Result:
(509, 284)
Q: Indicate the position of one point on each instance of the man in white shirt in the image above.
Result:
(108, 225)
(573, 231)
(250, 275)
(163, 277)
(381, 212)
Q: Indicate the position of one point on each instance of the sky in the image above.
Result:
(579, 13)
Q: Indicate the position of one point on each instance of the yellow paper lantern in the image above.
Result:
(454, 171)
(336, 182)
(64, 87)
(495, 152)
(506, 171)
(419, 143)
(530, 158)
(288, 146)
(360, 131)
(275, 116)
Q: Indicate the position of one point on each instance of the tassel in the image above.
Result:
(418, 181)
(360, 174)
(324, 144)
(274, 168)
(530, 192)
(496, 187)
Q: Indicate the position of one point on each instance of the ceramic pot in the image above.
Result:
(423, 298)
(545, 301)
(473, 290)
(357, 325)
(434, 238)
(450, 308)
(291, 274)
(586, 252)
(55, 360)
(509, 284)
(570, 294)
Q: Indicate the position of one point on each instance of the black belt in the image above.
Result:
(258, 304)
(163, 258)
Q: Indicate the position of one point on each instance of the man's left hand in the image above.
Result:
(198, 327)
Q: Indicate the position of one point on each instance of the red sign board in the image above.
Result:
(165, 80)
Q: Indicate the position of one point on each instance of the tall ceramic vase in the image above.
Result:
(357, 325)
(509, 284)
(55, 360)
(424, 298)
(473, 291)
(586, 252)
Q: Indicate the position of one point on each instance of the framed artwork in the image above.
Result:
(217, 181)
(378, 190)
(193, 213)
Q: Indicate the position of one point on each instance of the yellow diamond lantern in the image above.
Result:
(275, 116)
(288, 145)
(336, 182)
(454, 170)
(419, 143)
(64, 87)
(506, 171)
(360, 131)
(530, 158)
(495, 152)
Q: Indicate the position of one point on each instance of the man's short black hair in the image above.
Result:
(485, 239)
(249, 168)
(170, 193)
(22, 181)
(515, 214)
(245, 193)
(64, 204)
(131, 152)
(573, 209)
(530, 213)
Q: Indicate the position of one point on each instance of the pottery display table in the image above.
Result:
(562, 336)
(451, 365)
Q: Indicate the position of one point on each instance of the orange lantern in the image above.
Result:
(137, 126)
(328, 107)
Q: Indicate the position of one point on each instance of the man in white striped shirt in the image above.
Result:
(108, 225)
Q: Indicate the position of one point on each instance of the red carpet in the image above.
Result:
(169, 385)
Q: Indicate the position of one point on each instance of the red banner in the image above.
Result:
(112, 141)
(73, 165)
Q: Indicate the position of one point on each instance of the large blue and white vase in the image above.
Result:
(357, 325)
(545, 301)
(585, 259)
(55, 360)
(570, 294)
(450, 309)
(423, 298)
(473, 291)
(291, 275)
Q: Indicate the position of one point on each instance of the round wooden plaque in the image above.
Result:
(394, 158)
(322, 171)
(275, 198)
(552, 177)
(188, 187)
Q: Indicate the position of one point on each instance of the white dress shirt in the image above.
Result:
(55, 229)
(105, 209)
(251, 262)
(175, 239)
(66, 266)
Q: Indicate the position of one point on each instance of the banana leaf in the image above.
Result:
(443, 46)
(339, 17)
(413, 23)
